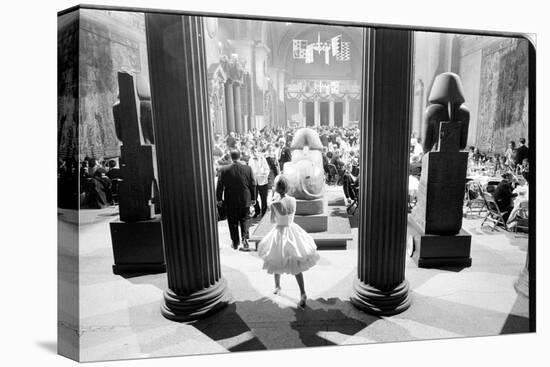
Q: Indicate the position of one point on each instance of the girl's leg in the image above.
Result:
(277, 283)
(300, 280)
(303, 297)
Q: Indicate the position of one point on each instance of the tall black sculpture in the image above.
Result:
(137, 236)
(435, 225)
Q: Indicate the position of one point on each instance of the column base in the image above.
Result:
(381, 303)
(197, 305)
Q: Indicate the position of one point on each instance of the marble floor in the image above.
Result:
(120, 316)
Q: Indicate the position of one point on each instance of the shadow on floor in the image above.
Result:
(241, 327)
(517, 323)
(48, 345)
(337, 202)
(157, 280)
(230, 330)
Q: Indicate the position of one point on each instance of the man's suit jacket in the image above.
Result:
(286, 156)
(503, 195)
(522, 152)
(236, 185)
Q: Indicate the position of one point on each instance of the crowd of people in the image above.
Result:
(266, 151)
(515, 160)
(92, 184)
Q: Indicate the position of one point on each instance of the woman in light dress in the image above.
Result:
(287, 248)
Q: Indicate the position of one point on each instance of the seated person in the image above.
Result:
(114, 171)
(521, 200)
(98, 190)
(415, 167)
(338, 163)
(349, 184)
(504, 194)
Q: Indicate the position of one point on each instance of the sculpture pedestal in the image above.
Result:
(137, 247)
(441, 193)
(429, 250)
(312, 215)
(310, 207)
(436, 237)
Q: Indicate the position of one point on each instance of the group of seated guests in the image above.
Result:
(98, 182)
(514, 160)
(510, 195)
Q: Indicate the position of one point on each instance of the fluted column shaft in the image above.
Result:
(250, 97)
(301, 112)
(177, 68)
(345, 123)
(238, 108)
(381, 287)
(331, 113)
(317, 113)
(229, 106)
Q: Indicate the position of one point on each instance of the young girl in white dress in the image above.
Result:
(287, 248)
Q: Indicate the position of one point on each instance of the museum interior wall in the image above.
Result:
(259, 75)
(493, 70)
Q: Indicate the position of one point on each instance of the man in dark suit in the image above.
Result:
(522, 152)
(236, 190)
(285, 156)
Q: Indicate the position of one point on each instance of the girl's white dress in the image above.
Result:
(287, 248)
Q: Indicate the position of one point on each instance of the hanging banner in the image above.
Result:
(345, 53)
(336, 44)
(309, 54)
(299, 49)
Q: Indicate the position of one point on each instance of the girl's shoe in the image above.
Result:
(277, 290)
(303, 299)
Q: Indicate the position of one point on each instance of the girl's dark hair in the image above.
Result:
(281, 184)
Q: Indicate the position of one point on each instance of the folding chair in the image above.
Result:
(115, 190)
(473, 197)
(522, 217)
(493, 212)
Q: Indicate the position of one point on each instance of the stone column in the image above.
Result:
(317, 113)
(345, 121)
(237, 107)
(331, 113)
(301, 112)
(229, 106)
(250, 104)
(177, 67)
(381, 287)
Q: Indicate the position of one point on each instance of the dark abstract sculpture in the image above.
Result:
(436, 220)
(446, 119)
(134, 128)
(137, 238)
